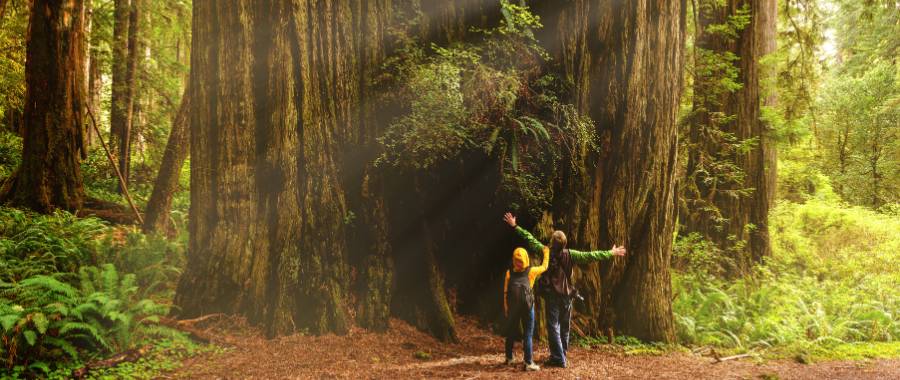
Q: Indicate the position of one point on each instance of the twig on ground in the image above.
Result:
(191, 322)
(733, 357)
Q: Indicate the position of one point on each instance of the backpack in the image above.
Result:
(519, 295)
(555, 281)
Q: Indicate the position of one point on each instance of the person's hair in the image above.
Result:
(557, 241)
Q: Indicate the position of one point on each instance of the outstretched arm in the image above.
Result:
(536, 271)
(532, 245)
(580, 257)
(505, 288)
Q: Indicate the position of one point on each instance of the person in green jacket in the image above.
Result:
(558, 296)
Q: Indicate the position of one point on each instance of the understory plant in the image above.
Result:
(72, 289)
(831, 281)
(490, 100)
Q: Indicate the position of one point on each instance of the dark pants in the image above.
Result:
(559, 314)
(525, 319)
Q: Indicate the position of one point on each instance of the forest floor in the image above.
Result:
(405, 353)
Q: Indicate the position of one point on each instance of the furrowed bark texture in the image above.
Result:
(156, 216)
(293, 226)
(744, 233)
(275, 90)
(368, 241)
(49, 177)
(284, 196)
(625, 60)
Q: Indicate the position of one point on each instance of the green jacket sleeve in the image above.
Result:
(586, 257)
(532, 245)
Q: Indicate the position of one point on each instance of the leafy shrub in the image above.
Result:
(73, 288)
(33, 244)
(10, 153)
(99, 179)
(44, 319)
(831, 280)
(155, 261)
(491, 98)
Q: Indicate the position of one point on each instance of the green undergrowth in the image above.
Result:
(73, 290)
(627, 345)
(829, 291)
(164, 356)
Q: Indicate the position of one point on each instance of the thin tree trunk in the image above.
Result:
(126, 133)
(156, 216)
(118, 116)
(49, 177)
(89, 64)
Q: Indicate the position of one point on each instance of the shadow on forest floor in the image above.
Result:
(405, 352)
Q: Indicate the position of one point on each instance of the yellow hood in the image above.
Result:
(520, 259)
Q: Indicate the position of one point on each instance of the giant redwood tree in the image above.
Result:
(731, 153)
(275, 90)
(54, 141)
(623, 60)
(294, 226)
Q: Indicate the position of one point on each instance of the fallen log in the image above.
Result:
(129, 356)
(109, 211)
(192, 332)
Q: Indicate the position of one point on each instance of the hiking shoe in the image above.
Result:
(508, 362)
(532, 367)
(554, 363)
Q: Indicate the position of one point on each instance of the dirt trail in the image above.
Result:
(479, 355)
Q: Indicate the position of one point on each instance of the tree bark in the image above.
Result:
(291, 225)
(88, 62)
(118, 112)
(156, 216)
(49, 177)
(94, 76)
(126, 132)
(271, 87)
(369, 247)
(624, 60)
(738, 224)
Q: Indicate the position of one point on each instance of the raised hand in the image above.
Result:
(509, 219)
(618, 250)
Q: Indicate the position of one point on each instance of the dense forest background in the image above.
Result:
(318, 165)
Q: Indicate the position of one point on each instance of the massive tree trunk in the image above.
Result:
(156, 216)
(624, 60)
(50, 176)
(292, 225)
(272, 84)
(733, 212)
(284, 194)
(369, 247)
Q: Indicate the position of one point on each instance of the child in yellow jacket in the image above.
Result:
(518, 302)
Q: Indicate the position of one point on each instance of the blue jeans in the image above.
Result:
(526, 319)
(559, 314)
